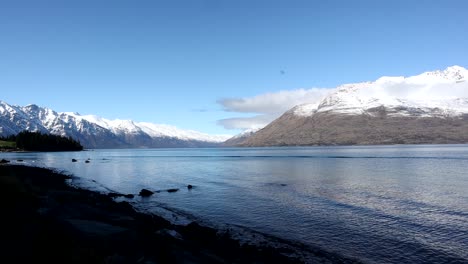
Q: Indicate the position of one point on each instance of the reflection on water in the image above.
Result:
(382, 204)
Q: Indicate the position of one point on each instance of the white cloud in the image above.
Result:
(269, 105)
(409, 90)
(273, 103)
(254, 122)
(445, 84)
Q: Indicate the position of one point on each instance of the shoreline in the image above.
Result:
(47, 219)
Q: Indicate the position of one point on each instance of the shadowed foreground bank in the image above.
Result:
(44, 219)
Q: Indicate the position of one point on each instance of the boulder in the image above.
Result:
(74, 160)
(172, 190)
(145, 193)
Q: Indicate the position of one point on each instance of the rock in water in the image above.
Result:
(145, 193)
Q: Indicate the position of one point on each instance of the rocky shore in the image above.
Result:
(46, 220)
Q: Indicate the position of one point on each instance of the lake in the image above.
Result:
(377, 204)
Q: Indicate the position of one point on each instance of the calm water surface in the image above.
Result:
(378, 204)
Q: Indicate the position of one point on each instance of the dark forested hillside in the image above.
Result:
(36, 141)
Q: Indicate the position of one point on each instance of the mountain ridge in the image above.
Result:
(97, 132)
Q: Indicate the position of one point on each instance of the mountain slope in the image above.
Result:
(238, 139)
(392, 110)
(96, 132)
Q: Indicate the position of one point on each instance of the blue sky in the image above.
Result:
(185, 62)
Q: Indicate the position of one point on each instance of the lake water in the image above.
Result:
(377, 204)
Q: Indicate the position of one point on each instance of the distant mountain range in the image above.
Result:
(96, 132)
(392, 110)
(430, 108)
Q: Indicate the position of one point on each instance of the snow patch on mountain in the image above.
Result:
(437, 93)
(246, 133)
(305, 109)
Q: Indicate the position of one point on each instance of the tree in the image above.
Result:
(36, 141)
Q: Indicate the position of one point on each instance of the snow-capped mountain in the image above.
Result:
(438, 93)
(96, 132)
(428, 108)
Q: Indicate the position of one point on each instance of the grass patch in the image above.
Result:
(7, 144)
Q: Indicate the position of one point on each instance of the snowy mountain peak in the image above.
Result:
(32, 106)
(437, 93)
(454, 73)
(450, 74)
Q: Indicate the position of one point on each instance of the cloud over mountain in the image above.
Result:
(267, 106)
(254, 122)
